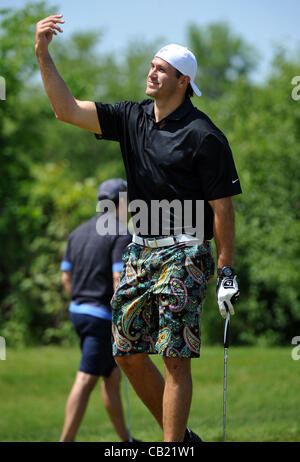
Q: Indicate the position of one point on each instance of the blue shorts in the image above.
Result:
(95, 343)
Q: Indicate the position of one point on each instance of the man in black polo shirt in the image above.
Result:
(90, 271)
(171, 151)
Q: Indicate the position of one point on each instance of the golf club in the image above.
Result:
(226, 346)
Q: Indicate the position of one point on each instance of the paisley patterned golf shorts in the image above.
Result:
(158, 302)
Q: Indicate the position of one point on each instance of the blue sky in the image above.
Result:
(262, 23)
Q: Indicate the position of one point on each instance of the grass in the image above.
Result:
(263, 400)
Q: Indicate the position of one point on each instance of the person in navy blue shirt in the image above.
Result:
(90, 271)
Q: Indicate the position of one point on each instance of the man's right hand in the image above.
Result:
(45, 30)
(66, 108)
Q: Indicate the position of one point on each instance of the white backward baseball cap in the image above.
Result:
(183, 60)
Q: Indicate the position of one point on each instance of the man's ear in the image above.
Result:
(184, 81)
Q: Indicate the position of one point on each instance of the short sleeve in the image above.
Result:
(66, 264)
(111, 118)
(119, 247)
(216, 169)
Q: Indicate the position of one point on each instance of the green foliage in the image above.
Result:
(222, 56)
(50, 172)
(262, 124)
(18, 138)
(55, 206)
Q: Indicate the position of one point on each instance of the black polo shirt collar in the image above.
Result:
(180, 112)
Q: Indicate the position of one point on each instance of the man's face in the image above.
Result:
(161, 81)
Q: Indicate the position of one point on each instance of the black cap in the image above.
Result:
(110, 189)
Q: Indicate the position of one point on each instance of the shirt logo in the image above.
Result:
(234, 181)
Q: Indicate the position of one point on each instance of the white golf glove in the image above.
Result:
(227, 294)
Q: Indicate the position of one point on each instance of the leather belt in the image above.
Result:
(164, 241)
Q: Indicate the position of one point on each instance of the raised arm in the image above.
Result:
(65, 106)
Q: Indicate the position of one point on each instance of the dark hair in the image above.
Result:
(189, 92)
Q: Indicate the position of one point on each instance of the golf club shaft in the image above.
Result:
(226, 346)
(225, 393)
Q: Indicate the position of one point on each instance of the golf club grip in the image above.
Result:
(226, 333)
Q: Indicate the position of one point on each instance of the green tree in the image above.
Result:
(262, 124)
(222, 56)
(18, 137)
